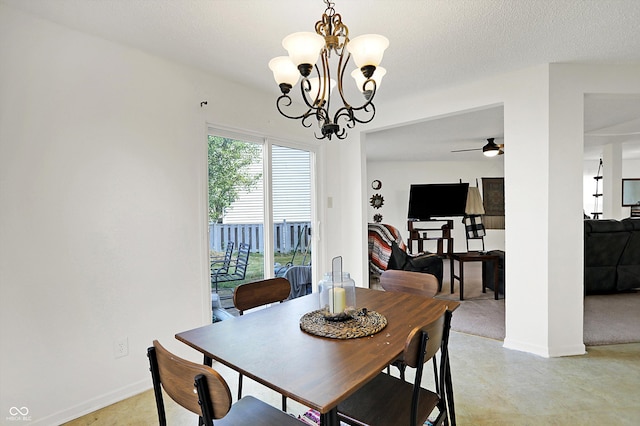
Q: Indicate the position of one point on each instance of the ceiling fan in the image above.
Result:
(491, 149)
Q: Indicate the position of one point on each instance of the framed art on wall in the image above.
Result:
(493, 198)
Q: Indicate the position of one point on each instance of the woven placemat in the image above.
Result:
(360, 326)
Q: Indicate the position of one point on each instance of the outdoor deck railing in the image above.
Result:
(287, 236)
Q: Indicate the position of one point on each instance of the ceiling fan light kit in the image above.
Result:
(490, 149)
(331, 37)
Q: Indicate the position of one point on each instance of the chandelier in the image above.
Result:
(331, 36)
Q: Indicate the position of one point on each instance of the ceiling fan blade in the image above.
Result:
(465, 150)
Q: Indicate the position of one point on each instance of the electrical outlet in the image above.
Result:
(121, 347)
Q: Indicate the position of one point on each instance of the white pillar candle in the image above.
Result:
(337, 300)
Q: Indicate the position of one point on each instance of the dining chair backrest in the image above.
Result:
(196, 387)
(419, 283)
(434, 332)
(259, 293)
(387, 399)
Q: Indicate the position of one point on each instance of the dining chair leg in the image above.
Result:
(448, 387)
(240, 388)
(208, 361)
(284, 403)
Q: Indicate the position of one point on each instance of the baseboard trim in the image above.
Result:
(545, 351)
(94, 404)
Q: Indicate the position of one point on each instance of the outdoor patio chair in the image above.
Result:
(388, 400)
(259, 293)
(221, 263)
(203, 391)
(238, 266)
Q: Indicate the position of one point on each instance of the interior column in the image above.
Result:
(611, 181)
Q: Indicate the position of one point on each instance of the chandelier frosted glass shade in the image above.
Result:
(326, 53)
(284, 71)
(303, 47)
(360, 79)
(368, 49)
(316, 90)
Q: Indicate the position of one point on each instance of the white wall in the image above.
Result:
(543, 188)
(103, 210)
(396, 177)
(630, 169)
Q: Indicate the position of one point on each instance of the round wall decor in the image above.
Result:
(377, 201)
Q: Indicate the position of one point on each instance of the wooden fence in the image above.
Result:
(287, 236)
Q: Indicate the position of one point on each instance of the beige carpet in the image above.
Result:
(608, 319)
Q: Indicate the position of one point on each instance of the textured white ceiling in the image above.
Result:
(434, 44)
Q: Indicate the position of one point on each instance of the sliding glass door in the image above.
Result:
(260, 196)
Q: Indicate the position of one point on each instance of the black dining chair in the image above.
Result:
(388, 400)
(203, 391)
(259, 293)
(420, 283)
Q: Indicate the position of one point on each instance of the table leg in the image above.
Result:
(330, 418)
(461, 278)
(451, 274)
(495, 278)
(484, 270)
(208, 361)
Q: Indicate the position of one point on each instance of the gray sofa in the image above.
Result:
(611, 255)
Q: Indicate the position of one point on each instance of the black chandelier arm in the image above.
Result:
(285, 100)
(348, 115)
(369, 108)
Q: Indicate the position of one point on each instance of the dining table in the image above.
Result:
(270, 347)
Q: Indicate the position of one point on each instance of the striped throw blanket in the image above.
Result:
(381, 237)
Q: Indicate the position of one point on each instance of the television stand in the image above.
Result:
(421, 231)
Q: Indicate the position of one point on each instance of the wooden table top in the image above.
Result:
(269, 347)
(473, 256)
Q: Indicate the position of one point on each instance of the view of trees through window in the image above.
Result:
(229, 174)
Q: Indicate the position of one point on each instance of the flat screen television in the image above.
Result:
(428, 201)
(630, 192)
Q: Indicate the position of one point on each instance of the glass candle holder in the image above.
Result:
(337, 298)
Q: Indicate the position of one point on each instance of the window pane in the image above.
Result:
(291, 200)
(236, 207)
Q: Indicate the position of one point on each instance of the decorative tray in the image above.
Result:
(359, 325)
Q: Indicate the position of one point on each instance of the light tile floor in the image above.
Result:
(492, 386)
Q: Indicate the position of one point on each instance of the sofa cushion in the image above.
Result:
(602, 253)
(605, 225)
(629, 264)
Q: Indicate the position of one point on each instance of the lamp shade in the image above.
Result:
(474, 202)
(284, 71)
(368, 49)
(317, 87)
(360, 78)
(303, 47)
